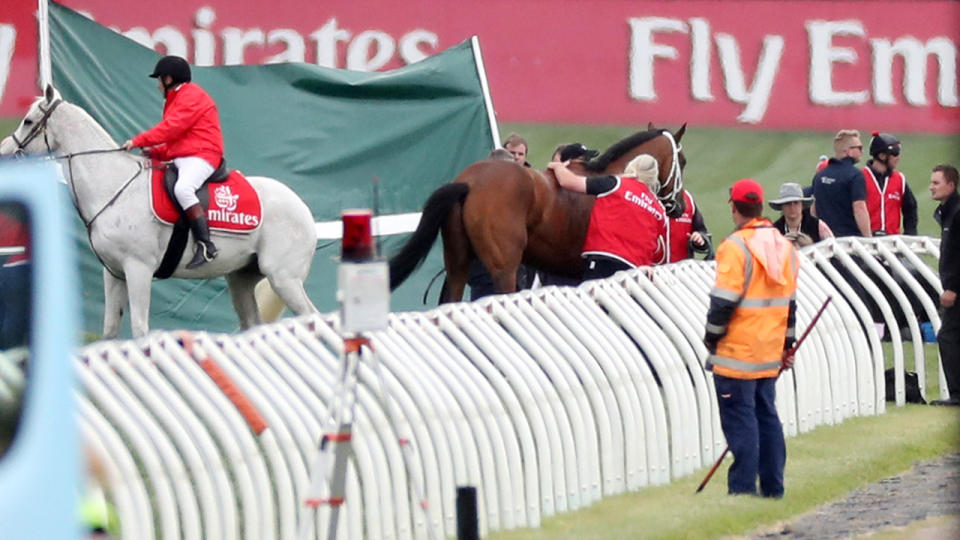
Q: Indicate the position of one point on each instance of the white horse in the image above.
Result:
(111, 191)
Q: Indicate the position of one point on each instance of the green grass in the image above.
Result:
(822, 465)
(7, 126)
(718, 157)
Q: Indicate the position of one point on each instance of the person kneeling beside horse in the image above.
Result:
(627, 226)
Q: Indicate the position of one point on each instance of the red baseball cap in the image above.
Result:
(747, 191)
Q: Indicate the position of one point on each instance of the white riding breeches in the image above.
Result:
(192, 173)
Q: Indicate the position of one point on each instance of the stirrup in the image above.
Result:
(205, 253)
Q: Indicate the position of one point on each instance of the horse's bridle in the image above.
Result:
(38, 128)
(676, 175)
(41, 127)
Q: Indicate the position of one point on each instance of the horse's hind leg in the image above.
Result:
(290, 290)
(114, 299)
(241, 285)
(457, 255)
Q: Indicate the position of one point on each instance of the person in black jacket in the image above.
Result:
(796, 223)
(838, 189)
(943, 188)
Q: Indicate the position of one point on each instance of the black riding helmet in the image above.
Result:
(173, 66)
(884, 143)
(577, 150)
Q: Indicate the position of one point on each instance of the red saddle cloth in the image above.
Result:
(234, 204)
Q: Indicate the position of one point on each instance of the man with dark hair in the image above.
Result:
(750, 334)
(943, 188)
(838, 189)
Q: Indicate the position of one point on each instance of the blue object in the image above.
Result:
(929, 336)
(40, 473)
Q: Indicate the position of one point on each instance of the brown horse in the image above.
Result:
(503, 214)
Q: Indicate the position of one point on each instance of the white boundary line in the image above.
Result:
(382, 225)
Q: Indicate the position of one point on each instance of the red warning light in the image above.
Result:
(357, 243)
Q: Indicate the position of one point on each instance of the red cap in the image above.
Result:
(747, 191)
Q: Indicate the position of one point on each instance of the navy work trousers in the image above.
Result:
(748, 416)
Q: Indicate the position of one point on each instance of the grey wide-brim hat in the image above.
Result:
(790, 192)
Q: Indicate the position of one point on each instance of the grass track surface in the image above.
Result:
(822, 465)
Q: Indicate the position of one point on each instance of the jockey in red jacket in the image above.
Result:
(189, 134)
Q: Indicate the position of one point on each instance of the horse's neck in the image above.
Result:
(96, 178)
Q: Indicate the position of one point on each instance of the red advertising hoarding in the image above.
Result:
(764, 64)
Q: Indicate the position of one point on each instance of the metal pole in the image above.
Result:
(44, 70)
(467, 525)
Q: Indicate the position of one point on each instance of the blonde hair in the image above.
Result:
(841, 141)
(645, 169)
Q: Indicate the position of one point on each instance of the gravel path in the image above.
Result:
(927, 490)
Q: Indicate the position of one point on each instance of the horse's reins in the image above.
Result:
(676, 173)
(38, 128)
(41, 127)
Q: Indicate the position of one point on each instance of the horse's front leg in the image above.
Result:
(114, 298)
(139, 278)
(242, 286)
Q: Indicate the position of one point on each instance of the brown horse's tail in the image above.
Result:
(415, 251)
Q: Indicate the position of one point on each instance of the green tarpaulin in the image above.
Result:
(326, 133)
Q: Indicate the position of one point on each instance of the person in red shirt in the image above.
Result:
(627, 225)
(687, 232)
(888, 195)
(190, 135)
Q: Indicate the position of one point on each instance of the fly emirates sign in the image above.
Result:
(826, 56)
(783, 64)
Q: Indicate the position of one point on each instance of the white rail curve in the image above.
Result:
(545, 400)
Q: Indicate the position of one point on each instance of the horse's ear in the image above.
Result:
(650, 126)
(679, 134)
(50, 93)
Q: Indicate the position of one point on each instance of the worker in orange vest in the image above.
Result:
(749, 333)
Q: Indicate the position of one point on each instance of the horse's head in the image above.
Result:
(672, 161)
(662, 145)
(32, 135)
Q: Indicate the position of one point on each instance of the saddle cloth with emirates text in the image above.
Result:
(234, 204)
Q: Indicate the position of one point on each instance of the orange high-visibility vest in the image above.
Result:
(757, 269)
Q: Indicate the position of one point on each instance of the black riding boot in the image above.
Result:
(206, 251)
